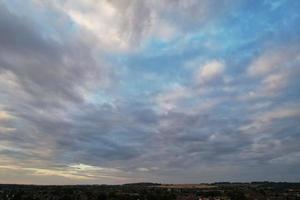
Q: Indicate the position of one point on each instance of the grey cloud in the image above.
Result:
(42, 80)
(44, 88)
(19, 34)
(97, 136)
(44, 68)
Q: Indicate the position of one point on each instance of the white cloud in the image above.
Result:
(168, 101)
(100, 18)
(210, 71)
(124, 25)
(6, 129)
(280, 113)
(164, 30)
(262, 120)
(143, 169)
(76, 171)
(84, 167)
(5, 115)
(45, 172)
(275, 82)
(270, 86)
(275, 69)
(272, 60)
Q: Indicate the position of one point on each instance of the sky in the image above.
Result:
(167, 91)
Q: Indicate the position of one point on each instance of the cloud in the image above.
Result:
(267, 118)
(5, 122)
(126, 25)
(273, 73)
(45, 68)
(169, 100)
(126, 91)
(275, 82)
(73, 172)
(210, 71)
(5, 115)
(142, 169)
(42, 82)
(272, 60)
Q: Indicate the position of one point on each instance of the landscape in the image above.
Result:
(151, 191)
(149, 100)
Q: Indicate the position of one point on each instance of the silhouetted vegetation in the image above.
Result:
(150, 191)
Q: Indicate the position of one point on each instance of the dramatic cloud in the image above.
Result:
(164, 91)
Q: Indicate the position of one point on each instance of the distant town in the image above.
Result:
(152, 191)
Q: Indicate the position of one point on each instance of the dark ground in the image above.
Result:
(150, 191)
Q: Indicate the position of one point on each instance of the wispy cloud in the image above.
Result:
(164, 91)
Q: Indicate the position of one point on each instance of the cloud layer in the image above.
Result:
(162, 91)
